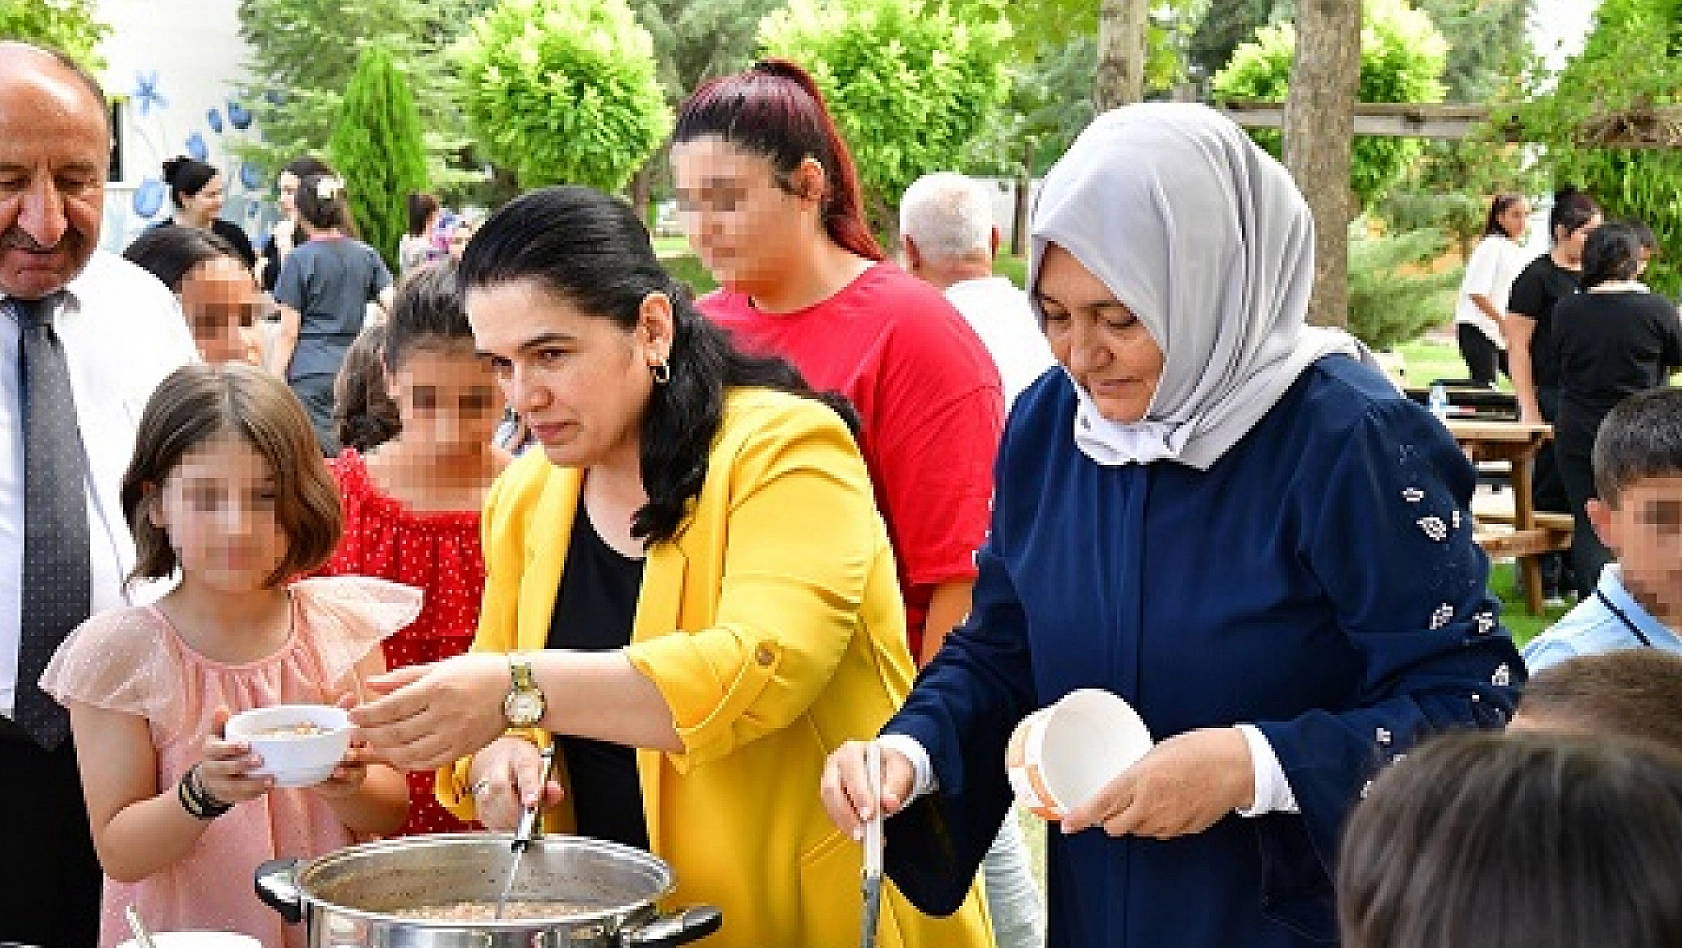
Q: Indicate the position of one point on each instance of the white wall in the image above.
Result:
(194, 51)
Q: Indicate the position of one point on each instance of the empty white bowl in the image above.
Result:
(198, 940)
(1060, 756)
(293, 759)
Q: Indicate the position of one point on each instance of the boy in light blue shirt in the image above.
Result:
(1638, 475)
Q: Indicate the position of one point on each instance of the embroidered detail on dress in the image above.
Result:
(1434, 528)
(1484, 622)
(1413, 495)
(1503, 676)
(1441, 617)
(1454, 519)
(1383, 735)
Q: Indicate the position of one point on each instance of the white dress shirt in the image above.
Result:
(122, 332)
(999, 313)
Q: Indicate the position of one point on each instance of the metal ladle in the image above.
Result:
(870, 885)
(529, 827)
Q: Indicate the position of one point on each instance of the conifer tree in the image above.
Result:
(377, 147)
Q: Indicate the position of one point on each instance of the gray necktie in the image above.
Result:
(56, 584)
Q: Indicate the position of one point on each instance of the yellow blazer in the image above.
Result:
(772, 625)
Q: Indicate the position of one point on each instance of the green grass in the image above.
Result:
(1014, 267)
(688, 268)
(1514, 615)
(1430, 358)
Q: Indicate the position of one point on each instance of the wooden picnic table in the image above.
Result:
(1515, 443)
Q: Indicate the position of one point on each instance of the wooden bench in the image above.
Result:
(1494, 531)
(1514, 444)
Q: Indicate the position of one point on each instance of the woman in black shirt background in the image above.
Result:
(1613, 340)
(1533, 360)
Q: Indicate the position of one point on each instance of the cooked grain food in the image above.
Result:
(301, 729)
(486, 911)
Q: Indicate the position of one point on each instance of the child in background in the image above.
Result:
(1638, 515)
(217, 295)
(412, 505)
(363, 411)
(227, 488)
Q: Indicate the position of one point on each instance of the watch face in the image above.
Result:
(523, 708)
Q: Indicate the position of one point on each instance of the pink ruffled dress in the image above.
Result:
(133, 661)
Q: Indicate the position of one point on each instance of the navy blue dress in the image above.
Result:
(1319, 581)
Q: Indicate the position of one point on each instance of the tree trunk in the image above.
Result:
(1019, 212)
(642, 191)
(1319, 130)
(1121, 53)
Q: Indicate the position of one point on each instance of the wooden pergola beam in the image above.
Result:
(1390, 119)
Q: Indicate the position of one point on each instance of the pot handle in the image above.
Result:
(277, 886)
(679, 928)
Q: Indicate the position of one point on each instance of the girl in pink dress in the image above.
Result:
(227, 489)
(411, 505)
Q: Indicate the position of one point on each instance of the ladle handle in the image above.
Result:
(530, 826)
(142, 937)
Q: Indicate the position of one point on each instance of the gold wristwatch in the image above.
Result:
(524, 705)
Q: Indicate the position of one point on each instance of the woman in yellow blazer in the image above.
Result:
(732, 612)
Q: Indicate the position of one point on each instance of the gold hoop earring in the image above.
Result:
(662, 372)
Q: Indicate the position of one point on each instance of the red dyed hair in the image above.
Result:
(775, 109)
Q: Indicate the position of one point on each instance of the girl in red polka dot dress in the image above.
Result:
(412, 504)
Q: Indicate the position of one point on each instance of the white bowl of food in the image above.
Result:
(300, 744)
(1061, 756)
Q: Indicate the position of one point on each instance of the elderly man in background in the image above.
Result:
(947, 232)
(84, 338)
(948, 237)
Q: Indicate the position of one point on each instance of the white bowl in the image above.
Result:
(198, 940)
(1061, 756)
(293, 760)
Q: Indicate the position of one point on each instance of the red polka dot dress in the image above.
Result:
(438, 553)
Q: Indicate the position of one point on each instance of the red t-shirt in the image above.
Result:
(930, 399)
(436, 552)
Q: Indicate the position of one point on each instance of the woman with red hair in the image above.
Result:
(770, 201)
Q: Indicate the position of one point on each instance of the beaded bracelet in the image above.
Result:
(196, 800)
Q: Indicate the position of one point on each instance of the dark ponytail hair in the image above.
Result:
(186, 177)
(775, 109)
(1611, 253)
(1502, 203)
(322, 204)
(1572, 209)
(363, 411)
(592, 251)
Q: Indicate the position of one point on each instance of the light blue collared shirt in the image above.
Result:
(1598, 625)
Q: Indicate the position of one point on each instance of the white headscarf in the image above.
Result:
(1206, 239)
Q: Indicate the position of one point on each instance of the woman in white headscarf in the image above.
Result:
(1219, 514)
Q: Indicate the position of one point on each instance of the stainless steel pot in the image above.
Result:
(347, 898)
